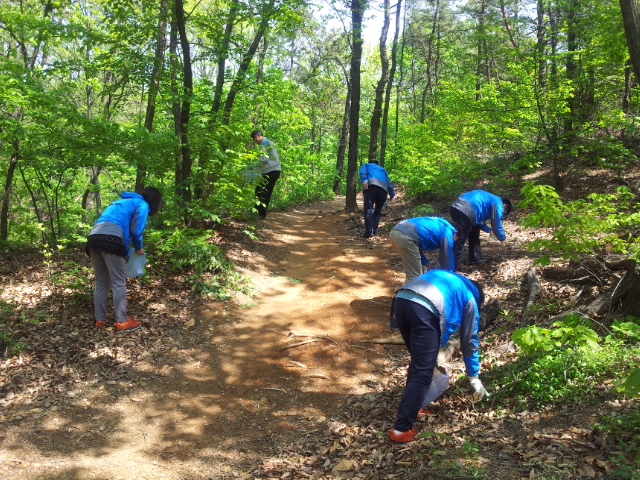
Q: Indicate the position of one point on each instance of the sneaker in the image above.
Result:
(424, 411)
(101, 323)
(366, 235)
(128, 326)
(402, 437)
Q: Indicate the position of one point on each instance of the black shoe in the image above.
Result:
(366, 235)
(478, 262)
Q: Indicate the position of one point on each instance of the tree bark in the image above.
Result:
(6, 196)
(342, 144)
(376, 116)
(154, 82)
(387, 98)
(222, 58)
(184, 188)
(246, 61)
(631, 23)
(357, 11)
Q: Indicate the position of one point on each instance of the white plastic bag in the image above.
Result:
(439, 384)
(135, 265)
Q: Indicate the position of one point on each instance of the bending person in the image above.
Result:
(470, 212)
(428, 310)
(412, 237)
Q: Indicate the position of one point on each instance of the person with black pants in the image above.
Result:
(269, 168)
(470, 212)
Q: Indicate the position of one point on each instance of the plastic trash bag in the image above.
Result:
(135, 265)
(439, 384)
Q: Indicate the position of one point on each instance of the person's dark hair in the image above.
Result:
(153, 197)
(480, 291)
(507, 205)
(374, 161)
(255, 133)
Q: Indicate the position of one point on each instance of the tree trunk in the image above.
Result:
(357, 12)
(631, 22)
(342, 145)
(376, 116)
(222, 58)
(86, 198)
(246, 61)
(6, 196)
(387, 97)
(154, 82)
(184, 188)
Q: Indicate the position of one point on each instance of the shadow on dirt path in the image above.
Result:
(239, 384)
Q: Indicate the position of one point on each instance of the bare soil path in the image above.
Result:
(228, 392)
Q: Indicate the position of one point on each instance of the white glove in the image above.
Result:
(479, 392)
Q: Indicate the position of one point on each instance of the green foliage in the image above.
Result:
(566, 363)
(573, 330)
(193, 251)
(624, 432)
(602, 222)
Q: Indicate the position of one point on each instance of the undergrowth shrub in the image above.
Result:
(601, 222)
(568, 362)
(193, 252)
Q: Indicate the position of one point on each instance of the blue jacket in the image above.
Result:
(455, 298)
(376, 175)
(431, 233)
(130, 214)
(481, 206)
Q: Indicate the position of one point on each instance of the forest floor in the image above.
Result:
(227, 389)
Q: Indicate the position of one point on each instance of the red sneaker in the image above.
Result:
(424, 411)
(402, 437)
(128, 326)
(101, 323)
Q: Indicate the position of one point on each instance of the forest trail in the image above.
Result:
(229, 393)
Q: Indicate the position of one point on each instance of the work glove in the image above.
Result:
(493, 235)
(479, 392)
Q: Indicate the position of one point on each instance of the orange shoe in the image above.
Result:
(424, 411)
(128, 326)
(101, 323)
(402, 437)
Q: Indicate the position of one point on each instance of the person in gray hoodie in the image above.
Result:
(269, 167)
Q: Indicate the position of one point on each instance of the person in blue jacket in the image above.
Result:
(428, 310)
(120, 225)
(269, 168)
(376, 185)
(412, 237)
(470, 212)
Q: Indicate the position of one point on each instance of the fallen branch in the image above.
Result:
(274, 388)
(387, 341)
(293, 333)
(296, 364)
(294, 345)
(316, 375)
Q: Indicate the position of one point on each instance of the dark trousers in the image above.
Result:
(264, 189)
(466, 231)
(420, 330)
(374, 198)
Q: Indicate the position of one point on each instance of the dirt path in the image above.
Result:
(227, 393)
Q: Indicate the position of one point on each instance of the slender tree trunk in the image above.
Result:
(222, 57)
(6, 196)
(631, 22)
(481, 60)
(246, 61)
(154, 82)
(376, 116)
(357, 12)
(184, 188)
(400, 80)
(433, 60)
(86, 198)
(387, 97)
(342, 144)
